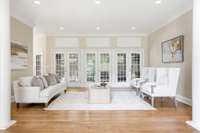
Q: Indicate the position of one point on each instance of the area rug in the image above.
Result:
(121, 100)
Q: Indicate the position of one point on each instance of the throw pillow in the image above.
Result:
(51, 80)
(37, 82)
(56, 77)
(25, 81)
(44, 81)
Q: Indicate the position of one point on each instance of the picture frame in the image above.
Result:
(173, 50)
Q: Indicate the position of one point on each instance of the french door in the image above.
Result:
(104, 66)
(60, 64)
(91, 67)
(80, 67)
(73, 68)
(98, 65)
(128, 65)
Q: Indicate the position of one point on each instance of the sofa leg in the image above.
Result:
(152, 101)
(17, 104)
(46, 105)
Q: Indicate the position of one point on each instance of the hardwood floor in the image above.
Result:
(166, 119)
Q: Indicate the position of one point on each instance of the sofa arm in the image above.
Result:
(26, 94)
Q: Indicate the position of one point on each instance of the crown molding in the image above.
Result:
(23, 20)
(170, 20)
(97, 35)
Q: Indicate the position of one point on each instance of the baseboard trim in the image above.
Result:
(194, 124)
(4, 127)
(184, 100)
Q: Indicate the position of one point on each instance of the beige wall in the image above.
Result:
(181, 26)
(39, 46)
(23, 34)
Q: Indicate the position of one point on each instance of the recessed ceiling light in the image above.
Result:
(98, 28)
(158, 2)
(61, 28)
(98, 2)
(133, 28)
(37, 2)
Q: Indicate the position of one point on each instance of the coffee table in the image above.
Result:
(99, 94)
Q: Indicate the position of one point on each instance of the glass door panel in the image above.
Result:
(60, 62)
(104, 67)
(73, 67)
(135, 65)
(38, 65)
(121, 67)
(91, 67)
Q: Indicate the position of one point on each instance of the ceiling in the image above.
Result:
(81, 17)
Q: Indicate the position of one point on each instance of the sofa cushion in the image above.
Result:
(37, 82)
(25, 81)
(44, 81)
(51, 90)
(56, 77)
(51, 80)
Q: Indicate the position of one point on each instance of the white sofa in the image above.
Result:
(31, 94)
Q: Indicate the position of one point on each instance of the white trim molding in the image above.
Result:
(12, 122)
(184, 100)
(194, 124)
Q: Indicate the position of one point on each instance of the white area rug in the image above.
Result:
(121, 100)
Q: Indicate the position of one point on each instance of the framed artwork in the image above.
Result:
(19, 56)
(173, 50)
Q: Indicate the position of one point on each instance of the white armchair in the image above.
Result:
(165, 84)
(147, 75)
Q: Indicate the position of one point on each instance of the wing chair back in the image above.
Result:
(148, 73)
(162, 76)
(167, 81)
(173, 74)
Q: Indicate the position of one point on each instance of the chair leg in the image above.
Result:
(152, 101)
